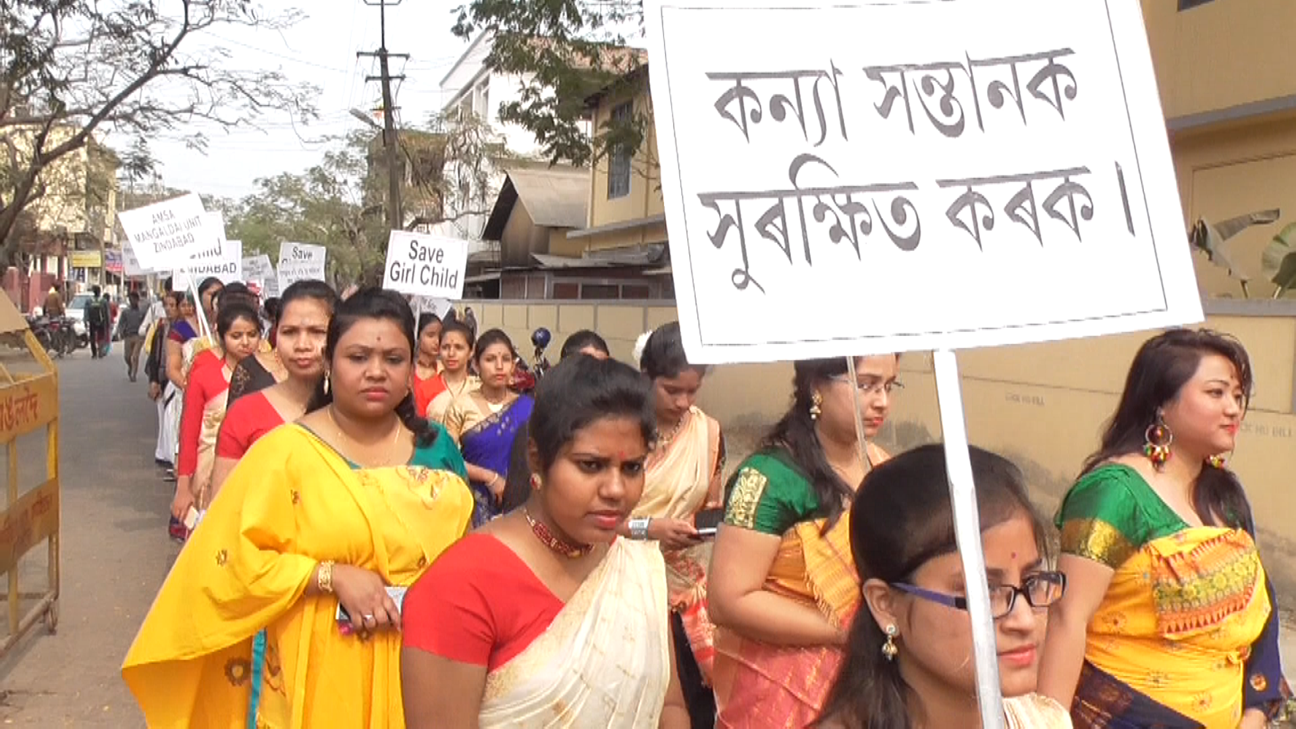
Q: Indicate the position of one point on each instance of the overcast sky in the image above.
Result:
(321, 49)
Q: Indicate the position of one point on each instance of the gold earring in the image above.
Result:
(815, 401)
(889, 649)
(536, 482)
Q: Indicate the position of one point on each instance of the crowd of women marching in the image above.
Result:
(380, 531)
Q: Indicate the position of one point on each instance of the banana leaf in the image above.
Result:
(1278, 262)
(1214, 240)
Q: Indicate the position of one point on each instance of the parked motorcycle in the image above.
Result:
(56, 335)
(63, 332)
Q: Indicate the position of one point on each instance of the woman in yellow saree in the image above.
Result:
(682, 478)
(322, 516)
(1168, 620)
(782, 584)
(545, 617)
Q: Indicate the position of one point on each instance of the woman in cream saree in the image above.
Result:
(545, 617)
(571, 666)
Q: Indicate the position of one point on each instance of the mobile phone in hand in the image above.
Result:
(707, 522)
(343, 617)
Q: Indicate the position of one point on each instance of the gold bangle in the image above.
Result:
(324, 577)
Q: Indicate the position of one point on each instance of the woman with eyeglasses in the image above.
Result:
(909, 659)
(781, 586)
(1169, 621)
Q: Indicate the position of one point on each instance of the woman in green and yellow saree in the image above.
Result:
(1168, 620)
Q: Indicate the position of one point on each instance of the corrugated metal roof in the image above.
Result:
(554, 197)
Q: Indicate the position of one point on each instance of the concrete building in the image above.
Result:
(1229, 97)
(64, 232)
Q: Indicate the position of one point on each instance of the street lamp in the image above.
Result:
(365, 118)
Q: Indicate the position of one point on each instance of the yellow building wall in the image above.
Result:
(644, 200)
(1222, 54)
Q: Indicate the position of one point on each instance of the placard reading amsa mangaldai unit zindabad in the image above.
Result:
(909, 175)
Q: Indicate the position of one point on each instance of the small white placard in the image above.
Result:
(912, 175)
(131, 265)
(259, 270)
(299, 262)
(429, 305)
(426, 265)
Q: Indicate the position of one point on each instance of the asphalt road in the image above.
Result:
(115, 554)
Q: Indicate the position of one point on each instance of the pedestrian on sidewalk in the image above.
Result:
(128, 330)
(96, 318)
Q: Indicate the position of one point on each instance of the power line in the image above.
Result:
(281, 56)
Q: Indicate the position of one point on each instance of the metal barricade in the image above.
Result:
(29, 402)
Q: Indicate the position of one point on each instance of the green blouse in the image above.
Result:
(769, 494)
(442, 455)
(1110, 513)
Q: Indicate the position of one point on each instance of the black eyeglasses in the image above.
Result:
(1040, 590)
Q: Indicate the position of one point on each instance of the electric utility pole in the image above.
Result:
(394, 218)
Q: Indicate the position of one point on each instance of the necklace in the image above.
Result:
(553, 542)
(664, 442)
(359, 447)
(462, 386)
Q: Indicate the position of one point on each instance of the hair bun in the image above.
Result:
(637, 353)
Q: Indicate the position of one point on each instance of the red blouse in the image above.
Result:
(249, 418)
(425, 391)
(478, 603)
(207, 382)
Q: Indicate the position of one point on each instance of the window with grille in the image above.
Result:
(619, 158)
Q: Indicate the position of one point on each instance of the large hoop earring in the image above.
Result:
(889, 649)
(1157, 440)
(815, 401)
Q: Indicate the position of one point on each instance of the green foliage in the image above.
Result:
(72, 68)
(339, 202)
(565, 51)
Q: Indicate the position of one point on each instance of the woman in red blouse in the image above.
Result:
(304, 312)
(427, 369)
(543, 617)
(239, 329)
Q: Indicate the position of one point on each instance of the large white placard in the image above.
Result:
(166, 234)
(226, 264)
(426, 265)
(300, 261)
(919, 175)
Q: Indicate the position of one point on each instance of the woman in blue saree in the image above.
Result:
(484, 422)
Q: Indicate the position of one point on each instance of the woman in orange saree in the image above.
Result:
(782, 585)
